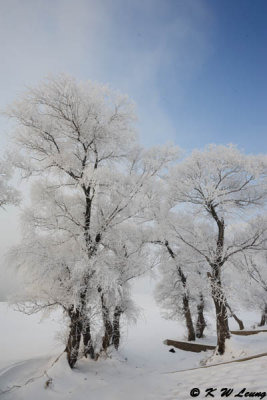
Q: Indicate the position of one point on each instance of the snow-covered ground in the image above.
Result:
(142, 369)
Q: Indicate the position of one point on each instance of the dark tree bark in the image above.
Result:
(188, 319)
(74, 339)
(218, 297)
(79, 328)
(263, 316)
(116, 327)
(186, 303)
(263, 319)
(87, 340)
(108, 329)
(201, 323)
(238, 320)
(79, 323)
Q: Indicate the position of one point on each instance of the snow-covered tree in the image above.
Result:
(92, 178)
(218, 187)
(8, 194)
(182, 290)
(253, 290)
(128, 256)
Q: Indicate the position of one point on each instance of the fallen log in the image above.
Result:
(189, 346)
(247, 333)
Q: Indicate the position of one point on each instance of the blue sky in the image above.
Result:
(195, 68)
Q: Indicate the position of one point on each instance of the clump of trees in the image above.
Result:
(104, 210)
(91, 182)
(216, 208)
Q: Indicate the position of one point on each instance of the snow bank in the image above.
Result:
(240, 347)
(143, 368)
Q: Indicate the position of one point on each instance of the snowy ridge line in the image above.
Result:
(9, 389)
(217, 364)
(6, 369)
(30, 380)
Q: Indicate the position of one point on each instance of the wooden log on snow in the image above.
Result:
(247, 333)
(189, 346)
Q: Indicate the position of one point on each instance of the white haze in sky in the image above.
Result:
(129, 45)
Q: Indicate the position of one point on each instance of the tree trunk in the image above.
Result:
(108, 329)
(219, 300)
(188, 319)
(87, 340)
(232, 314)
(263, 316)
(74, 339)
(263, 319)
(186, 307)
(116, 327)
(201, 323)
(239, 321)
(218, 297)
